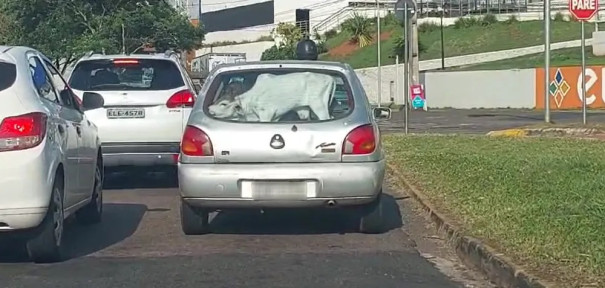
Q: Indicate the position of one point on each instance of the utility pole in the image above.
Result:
(378, 56)
(415, 61)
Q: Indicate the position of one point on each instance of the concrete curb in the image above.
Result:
(508, 133)
(524, 132)
(498, 268)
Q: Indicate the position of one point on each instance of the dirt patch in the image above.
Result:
(344, 49)
(349, 47)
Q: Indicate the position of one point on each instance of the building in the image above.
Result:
(241, 20)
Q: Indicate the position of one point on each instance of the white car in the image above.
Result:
(148, 99)
(50, 158)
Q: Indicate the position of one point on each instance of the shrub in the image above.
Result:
(321, 47)
(265, 38)
(465, 22)
(428, 27)
(390, 19)
(512, 19)
(360, 29)
(399, 47)
(488, 19)
(330, 33)
(559, 17)
(279, 53)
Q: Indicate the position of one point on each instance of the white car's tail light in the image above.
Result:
(183, 98)
(22, 132)
(360, 141)
(196, 143)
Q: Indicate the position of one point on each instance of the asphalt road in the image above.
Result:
(481, 121)
(139, 244)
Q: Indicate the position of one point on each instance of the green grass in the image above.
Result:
(464, 41)
(559, 58)
(541, 201)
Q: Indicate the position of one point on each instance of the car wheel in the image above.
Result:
(194, 221)
(93, 211)
(373, 220)
(45, 247)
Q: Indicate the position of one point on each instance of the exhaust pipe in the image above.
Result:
(331, 203)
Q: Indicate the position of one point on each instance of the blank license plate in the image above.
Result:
(278, 190)
(125, 113)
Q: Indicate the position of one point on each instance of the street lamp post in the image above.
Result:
(442, 44)
(547, 61)
(379, 80)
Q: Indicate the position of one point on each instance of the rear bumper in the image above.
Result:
(25, 187)
(19, 219)
(139, 154)
(219, 185)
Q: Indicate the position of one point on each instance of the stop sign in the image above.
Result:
(583, 9)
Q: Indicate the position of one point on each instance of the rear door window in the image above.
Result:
(279, 95)
(8, 75)
(42, 81)
(126, 74)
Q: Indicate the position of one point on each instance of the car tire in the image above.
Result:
(46, 247)
(92, 213)
(194, 221)
(373, 219)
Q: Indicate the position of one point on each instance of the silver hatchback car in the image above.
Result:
(282, 134)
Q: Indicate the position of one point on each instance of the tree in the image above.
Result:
(288, 35)
(65, 30)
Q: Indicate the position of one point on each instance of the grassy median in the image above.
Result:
(540, 201)
(558, 58)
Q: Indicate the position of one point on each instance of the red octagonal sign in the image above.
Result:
(583, 9)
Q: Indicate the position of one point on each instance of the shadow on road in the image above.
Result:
(299, 222)
(140, 179)
(120, 221)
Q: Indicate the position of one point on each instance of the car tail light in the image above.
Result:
(22, 132)
(361, 140)
(196, 143)
(125, 62)
(183, 98)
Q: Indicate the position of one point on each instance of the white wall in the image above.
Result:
(464, 89)
(481, 89)
(215, 5)
(253, 50)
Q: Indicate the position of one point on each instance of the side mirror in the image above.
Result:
(66, 96)
(92, 101)
(382, 113)
(197, 87)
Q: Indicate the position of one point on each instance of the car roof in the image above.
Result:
(128, 56)
(14, 50)
(309, 63)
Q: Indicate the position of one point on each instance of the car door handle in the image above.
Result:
(61, 129)
(79, 130)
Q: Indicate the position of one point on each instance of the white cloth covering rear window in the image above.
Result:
(279, 96)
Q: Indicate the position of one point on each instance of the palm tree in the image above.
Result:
(360, 29)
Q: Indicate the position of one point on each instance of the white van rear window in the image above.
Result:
(126, 74)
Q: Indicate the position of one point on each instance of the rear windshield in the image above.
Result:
(8, 74)
(126, 74)
(279, 95)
